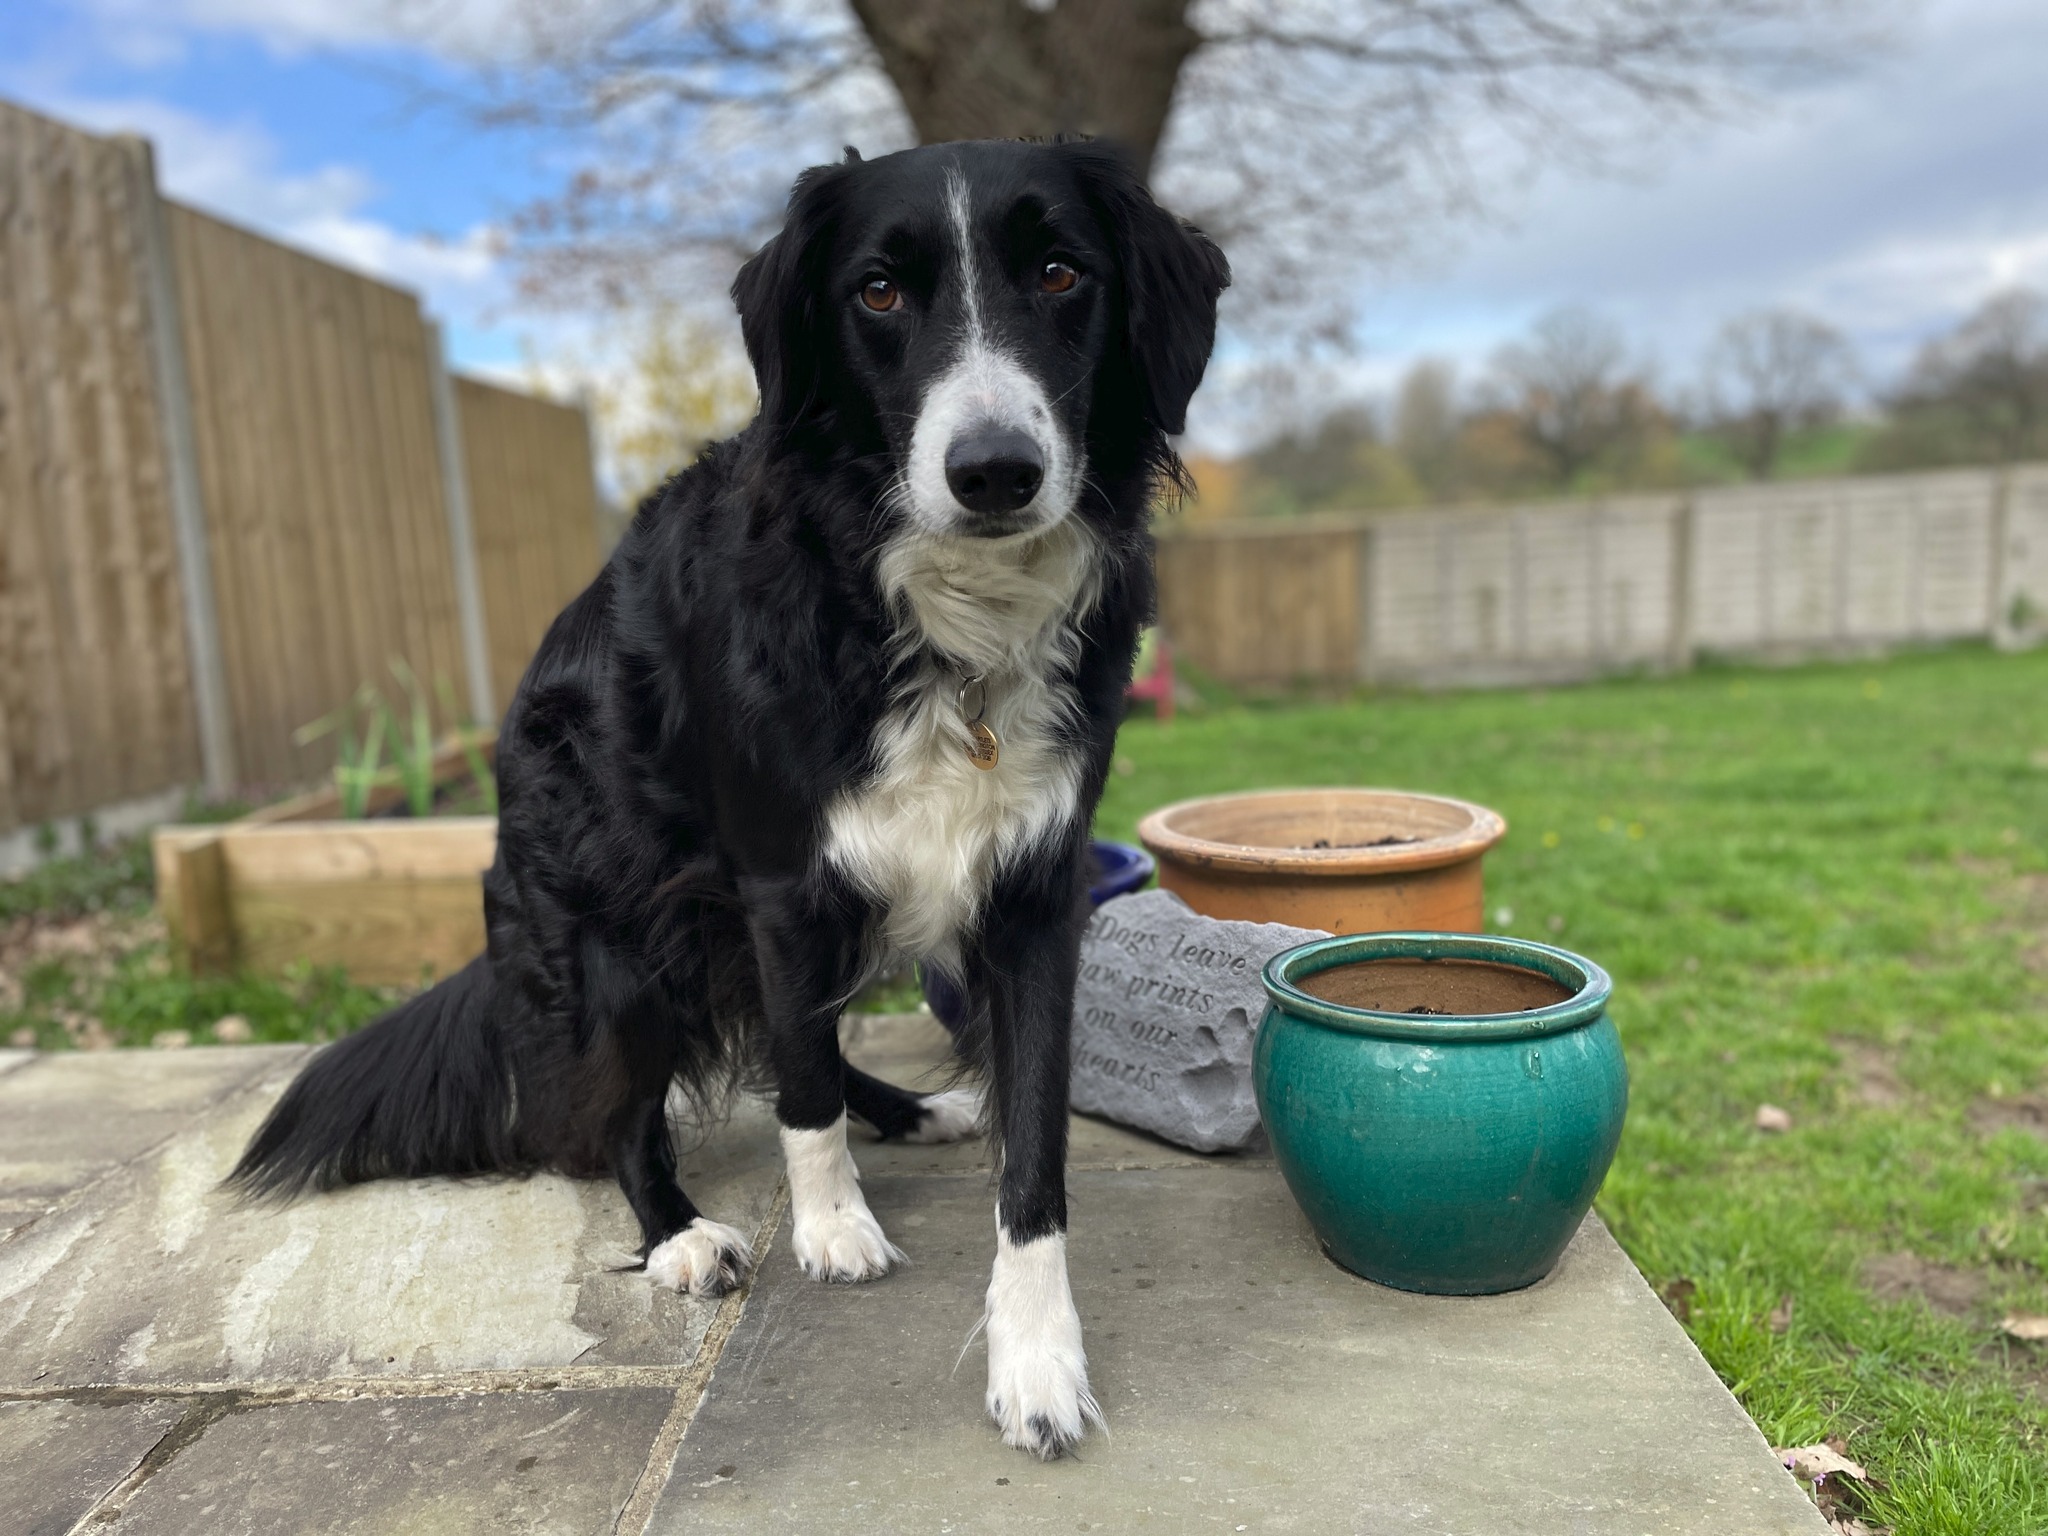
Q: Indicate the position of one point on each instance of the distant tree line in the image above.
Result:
(1568, 410)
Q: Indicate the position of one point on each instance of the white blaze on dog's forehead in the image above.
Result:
(959, 212)
(985, 385)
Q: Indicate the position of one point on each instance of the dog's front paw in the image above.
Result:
(1037, 1373)
(706, 1258)
(953, 1115)
(844, 1245)
(1038, 1392)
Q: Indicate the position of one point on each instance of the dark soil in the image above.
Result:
(2024, 1112)
(1870, 1067)
(1461, 987)
(1391, 840)
(1946, 1288)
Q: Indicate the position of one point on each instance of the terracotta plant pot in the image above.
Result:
(1342, 860)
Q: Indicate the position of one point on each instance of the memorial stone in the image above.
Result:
(1164, 1017)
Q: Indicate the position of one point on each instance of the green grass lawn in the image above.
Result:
(1824, 889)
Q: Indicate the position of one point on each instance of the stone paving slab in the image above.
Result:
(154, 1277)
(1250, 1385)
(460, 1356)
(517, 1464)
(58, 1459)
(68, 1117)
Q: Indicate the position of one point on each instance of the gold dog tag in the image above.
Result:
(982, 750)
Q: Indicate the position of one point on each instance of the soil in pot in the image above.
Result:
(1466, 988)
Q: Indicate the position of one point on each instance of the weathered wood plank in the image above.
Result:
(391, 932)
(357, 852)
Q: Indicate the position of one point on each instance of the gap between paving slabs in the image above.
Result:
(180, 1416)
(151, 1198)
(159, 1185)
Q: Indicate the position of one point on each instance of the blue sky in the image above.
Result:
(1888, 203)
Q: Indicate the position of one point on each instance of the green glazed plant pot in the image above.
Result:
(1444, 1119)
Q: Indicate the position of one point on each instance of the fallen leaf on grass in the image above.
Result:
(2024, 1325)
(1772, 1119)
(1677, 1297)
(1780, 1319)
(1839, 1486)
(1811, 1463)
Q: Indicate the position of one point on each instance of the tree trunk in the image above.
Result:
(983, 69)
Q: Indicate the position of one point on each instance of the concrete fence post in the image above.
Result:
(1679, 653)
(1362, 662)
(469, 592)
(1999, 616)
(173, 390)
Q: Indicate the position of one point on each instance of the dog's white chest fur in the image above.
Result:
(924, 835)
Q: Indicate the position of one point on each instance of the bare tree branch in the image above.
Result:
(1318, 138)
(1771, 373)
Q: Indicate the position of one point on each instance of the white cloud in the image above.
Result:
(149, 31)
(232, 169)
(1890, 204)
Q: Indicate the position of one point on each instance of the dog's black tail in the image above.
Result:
(427, 1088)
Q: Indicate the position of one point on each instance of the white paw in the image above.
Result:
(953, 1115)
(1037, 1373)
(845, 1246)
(834, 1234)
(706, 1258)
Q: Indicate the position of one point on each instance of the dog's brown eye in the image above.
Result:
(881, 295)
(1057, 277)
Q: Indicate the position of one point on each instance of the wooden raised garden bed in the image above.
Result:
(390, 899)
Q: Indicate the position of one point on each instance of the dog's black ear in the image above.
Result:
(781, 299)
(1172, 274)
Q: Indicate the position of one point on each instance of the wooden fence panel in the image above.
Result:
(321, 480)
(95, 692)
(533, 508)
(1263, 606)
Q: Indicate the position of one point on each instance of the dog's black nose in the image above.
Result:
(996, 470)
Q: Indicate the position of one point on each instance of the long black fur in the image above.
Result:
(658, 911)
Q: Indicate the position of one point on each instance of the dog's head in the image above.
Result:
(990, 318)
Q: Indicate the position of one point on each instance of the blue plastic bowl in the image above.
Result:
(1119, 870)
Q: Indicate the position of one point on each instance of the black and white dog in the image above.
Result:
(846, 692)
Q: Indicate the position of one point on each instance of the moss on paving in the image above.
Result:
(1824, 889)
